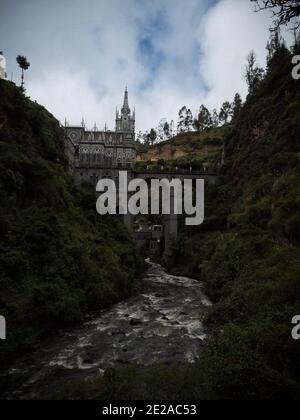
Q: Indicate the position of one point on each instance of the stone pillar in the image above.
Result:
(171, 228)
(128, 221)
(128, 218)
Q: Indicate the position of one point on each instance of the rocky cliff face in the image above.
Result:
(196, 149)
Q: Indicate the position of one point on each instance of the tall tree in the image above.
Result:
(204, 119)
(172, 129)
(167, 130)
(275, 45)
(215, 122)
(225, 112)
(284, 11)
(146, 138)
(296, 34)
(182, 116)
(253, 74)
(24, 65)
(160, 129)
(152, 136)
(236, 106)
(189, 120)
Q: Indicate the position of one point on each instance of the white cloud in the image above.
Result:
(63, 93)
(227, 34)
(83, 56)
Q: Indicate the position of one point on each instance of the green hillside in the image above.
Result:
(198, 150)
(58, 259)
(247, 252)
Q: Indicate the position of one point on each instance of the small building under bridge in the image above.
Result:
(150, 238)
(170, 222)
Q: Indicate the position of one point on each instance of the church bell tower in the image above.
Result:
(125, 122)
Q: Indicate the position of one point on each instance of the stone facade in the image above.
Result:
(97, 154)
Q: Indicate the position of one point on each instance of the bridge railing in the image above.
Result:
(169, 171)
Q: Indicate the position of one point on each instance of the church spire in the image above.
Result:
(125, 122)
(126, 109)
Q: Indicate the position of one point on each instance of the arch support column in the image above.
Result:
(171, 228)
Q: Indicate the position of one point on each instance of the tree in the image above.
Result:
(146, 138)
(152, 136)
(275, 45)
(189, 120)
(284, 11)
(181, 119)
(225, 112)
(24, 65)
(253, 74)
(172, 129)
(181, 127)
(236, 106)
(160, 134)
(296, 34)
(167, 130)
(204, 119)
(215, 122)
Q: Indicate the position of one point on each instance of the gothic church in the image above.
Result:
(97, 154)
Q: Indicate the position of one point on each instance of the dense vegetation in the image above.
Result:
(58, 258)
(248, 256)
(247, 252)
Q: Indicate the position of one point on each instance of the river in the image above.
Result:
(161, 322)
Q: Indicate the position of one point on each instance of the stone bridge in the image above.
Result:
(170, 221)
(210, 177)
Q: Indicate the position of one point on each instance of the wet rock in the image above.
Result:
(114, 333)
(91, 355)
(135, 322)
(122, 361)
(87, 362)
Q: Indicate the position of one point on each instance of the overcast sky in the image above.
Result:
(170, 53)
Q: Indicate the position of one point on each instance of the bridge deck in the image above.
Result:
(174, 172)
(180, 174)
